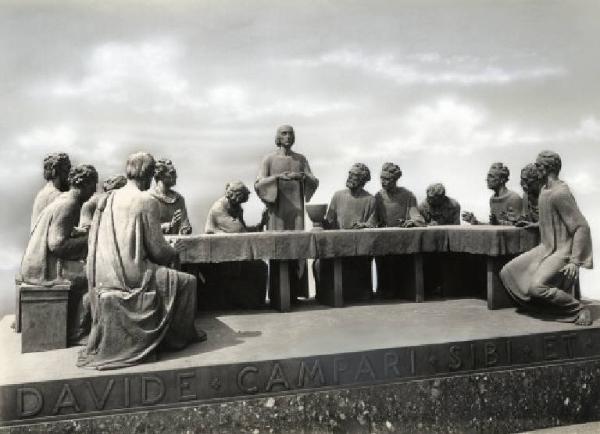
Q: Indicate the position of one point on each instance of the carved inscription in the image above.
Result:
(171, 387)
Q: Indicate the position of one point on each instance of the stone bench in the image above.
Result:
(42, 316)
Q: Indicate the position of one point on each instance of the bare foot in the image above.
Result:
(584, 318)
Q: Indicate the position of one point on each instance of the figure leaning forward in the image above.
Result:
(544, 279)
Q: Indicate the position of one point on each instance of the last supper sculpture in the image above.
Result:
(130, 263)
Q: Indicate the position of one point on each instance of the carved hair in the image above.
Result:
(550, 160)
(392, 169)
(436, 189)
(235, 187)
(163, 167)
(140, 166)
(114, 183)
(280, 129)
(84, 174)
(531, 171)
(501, 170)
(362, 171)
(53, 161)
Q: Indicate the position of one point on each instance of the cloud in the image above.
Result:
(428, 68)
(240, 103)
(448, 126)
(116, 71)
(584, 183)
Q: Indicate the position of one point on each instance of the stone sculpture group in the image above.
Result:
(128, 298)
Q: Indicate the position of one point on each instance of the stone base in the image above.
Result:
(448, 366)
(43, 317)
(497, 401)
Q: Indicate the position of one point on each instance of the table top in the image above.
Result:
(479, 239)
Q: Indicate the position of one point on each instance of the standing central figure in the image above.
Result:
(284, 183)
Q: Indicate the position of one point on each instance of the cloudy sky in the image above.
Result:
(441, 88)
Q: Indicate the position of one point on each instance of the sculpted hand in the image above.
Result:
(177, 216)
(178, 245)
(408, 224)
(469, 217)
(571, 271)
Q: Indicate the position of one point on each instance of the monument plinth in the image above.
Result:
(377, 367)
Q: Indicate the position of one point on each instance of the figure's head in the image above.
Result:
(358, 176)
(390, 174)
(285, 136)
(84, 178)
(114, 183)
(236, 192)
(436, 194)
(531, 179)
(56, 167)
(165, 171)
(140, 168)
(497, 176)
(548, 162)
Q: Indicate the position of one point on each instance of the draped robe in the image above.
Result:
(53, 256)
(534, 279)
(44, 197)
(285, 207)
(344, 210)
(509, 202)
(168, 205)
(393, 207)
(138, 303)
(240, 284)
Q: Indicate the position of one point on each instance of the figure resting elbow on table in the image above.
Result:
(439, 209)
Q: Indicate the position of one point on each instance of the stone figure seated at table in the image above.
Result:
(350, 208)
(284, 183)
(139, 304)
(173, 213)
(443, 272)
(54, 255)
(396, 207)
(543, 280)
(505, 204)
(88, 208)
(233, 284)
(531, 182)
(56, 174)
(439, 209)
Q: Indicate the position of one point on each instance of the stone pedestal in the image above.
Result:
(43, 317)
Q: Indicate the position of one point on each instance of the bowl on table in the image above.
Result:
(316, 213)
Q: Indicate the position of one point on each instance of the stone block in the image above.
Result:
(43, 317)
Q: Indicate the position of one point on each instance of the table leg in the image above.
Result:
(283, 302)
(419, 281)
(338, 294)
(497, 296)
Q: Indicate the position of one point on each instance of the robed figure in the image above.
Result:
(56, 173)
(505, 205)
(284, 183)
(239, 284)
(173, 212)
(544, 279)
(350, 208)
(396, 207)
(138, 302)
(56, 252)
